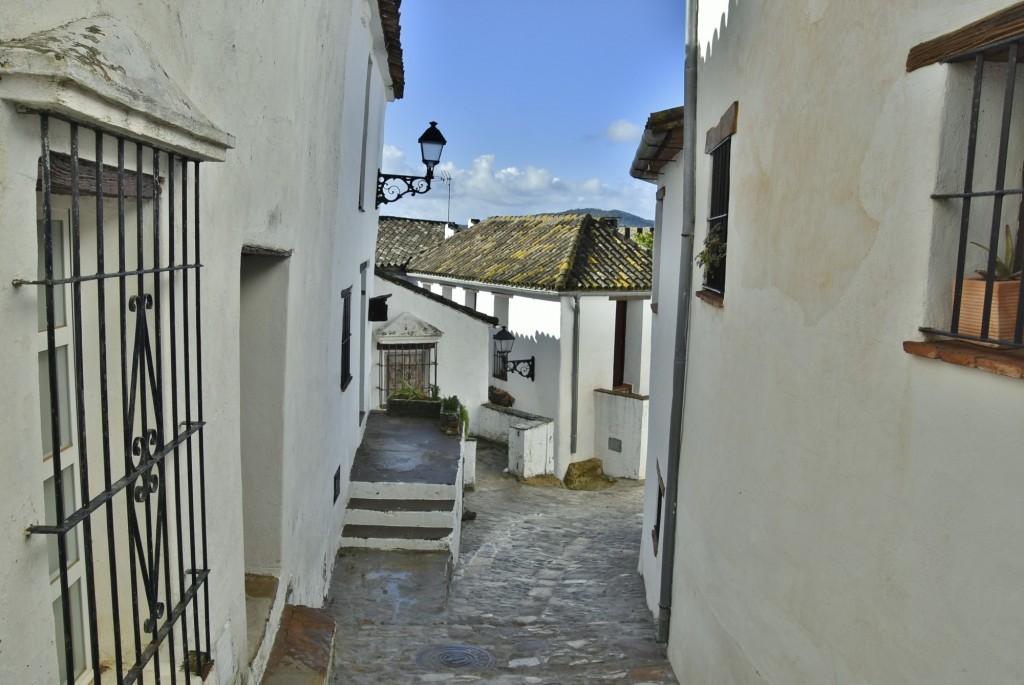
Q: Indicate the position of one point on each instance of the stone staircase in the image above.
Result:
(405, 488)
(397, 516)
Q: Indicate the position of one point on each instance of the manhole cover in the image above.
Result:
(454, 656)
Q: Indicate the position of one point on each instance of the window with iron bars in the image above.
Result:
(411, 366)
(121, 406)
(712, 257)
(986, 218)
(500, 366)
(346, 337)
(717, 236)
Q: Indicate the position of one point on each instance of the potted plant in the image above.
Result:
(451, 417)
(410, 401)
(712, 258)
(1005, 295)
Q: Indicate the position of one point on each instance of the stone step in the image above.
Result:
(401, 504)
(438, 513)
(303, 652)
(397, 537)
(358, 489)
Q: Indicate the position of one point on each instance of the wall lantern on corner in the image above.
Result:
(391, 187)
(503, 341)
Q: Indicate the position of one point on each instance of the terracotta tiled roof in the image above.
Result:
(557, 252)
(399, 240)
(390, 21)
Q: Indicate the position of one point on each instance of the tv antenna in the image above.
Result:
(445, 178)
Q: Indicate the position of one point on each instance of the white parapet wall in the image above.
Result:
(530, 438)
(531, 448)
(620, 433)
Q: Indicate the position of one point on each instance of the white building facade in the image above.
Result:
(575, 299)
(849, 504)
(186, 237)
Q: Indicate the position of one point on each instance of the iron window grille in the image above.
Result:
(346, 337)
(718, 216)
(987, 309)
(411, 366)
(500, 366)
(135, 503)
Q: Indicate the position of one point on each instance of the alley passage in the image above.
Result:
(546, 591)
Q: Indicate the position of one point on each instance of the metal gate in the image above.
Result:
(122, 403)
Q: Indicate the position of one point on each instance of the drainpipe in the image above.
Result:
(682, 321)
(575, 371)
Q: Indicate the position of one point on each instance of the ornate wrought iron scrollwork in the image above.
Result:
(391, 187)
(524, 367)
(147, 529)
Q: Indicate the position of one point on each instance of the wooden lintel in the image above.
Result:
(60, 179)
(1002, 25)
(726, 127)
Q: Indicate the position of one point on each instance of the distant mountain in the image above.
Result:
(625, 218)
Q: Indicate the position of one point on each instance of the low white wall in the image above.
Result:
(531, 448)
(620, 433)
(530, 438)
(496, 421)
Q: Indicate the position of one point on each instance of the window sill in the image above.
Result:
(711, 297)
(1002, 362)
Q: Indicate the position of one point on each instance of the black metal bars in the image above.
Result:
(989, 310)
(406, 366)
(149, 502)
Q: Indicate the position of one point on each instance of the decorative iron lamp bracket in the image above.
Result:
(391, 187)
(524, 367)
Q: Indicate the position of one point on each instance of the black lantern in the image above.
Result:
(390, 187)
(503, 341)
(431, 144)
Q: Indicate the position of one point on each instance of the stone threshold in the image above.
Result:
(304, 649)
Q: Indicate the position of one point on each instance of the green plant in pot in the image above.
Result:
(1005, 294)
(451, 416)
(408, 392)
(712, 258)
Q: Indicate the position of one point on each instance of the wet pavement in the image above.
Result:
(405, 449)
(546, 591)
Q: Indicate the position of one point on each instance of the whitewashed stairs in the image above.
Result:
(403, 516)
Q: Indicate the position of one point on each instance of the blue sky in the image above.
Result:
(542, 102)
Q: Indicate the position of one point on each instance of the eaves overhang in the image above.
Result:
(661, 141)
(388, 45)
(536, 293)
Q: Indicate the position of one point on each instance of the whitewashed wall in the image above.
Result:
(637, 367)
(620, 433)
(540, 396)
(463, 353)
(531, 316)
(667, 244)
(847, 513)
(290, 86)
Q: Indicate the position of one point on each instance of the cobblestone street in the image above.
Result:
(546, 591)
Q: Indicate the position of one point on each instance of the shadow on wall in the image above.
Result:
(542, 395)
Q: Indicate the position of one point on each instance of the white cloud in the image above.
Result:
(485, 190)
(394, 162)
(623, 131)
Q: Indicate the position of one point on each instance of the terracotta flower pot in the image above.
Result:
(1005, 298)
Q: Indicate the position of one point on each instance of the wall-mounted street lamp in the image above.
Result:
(503, 341)
(390, 187)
